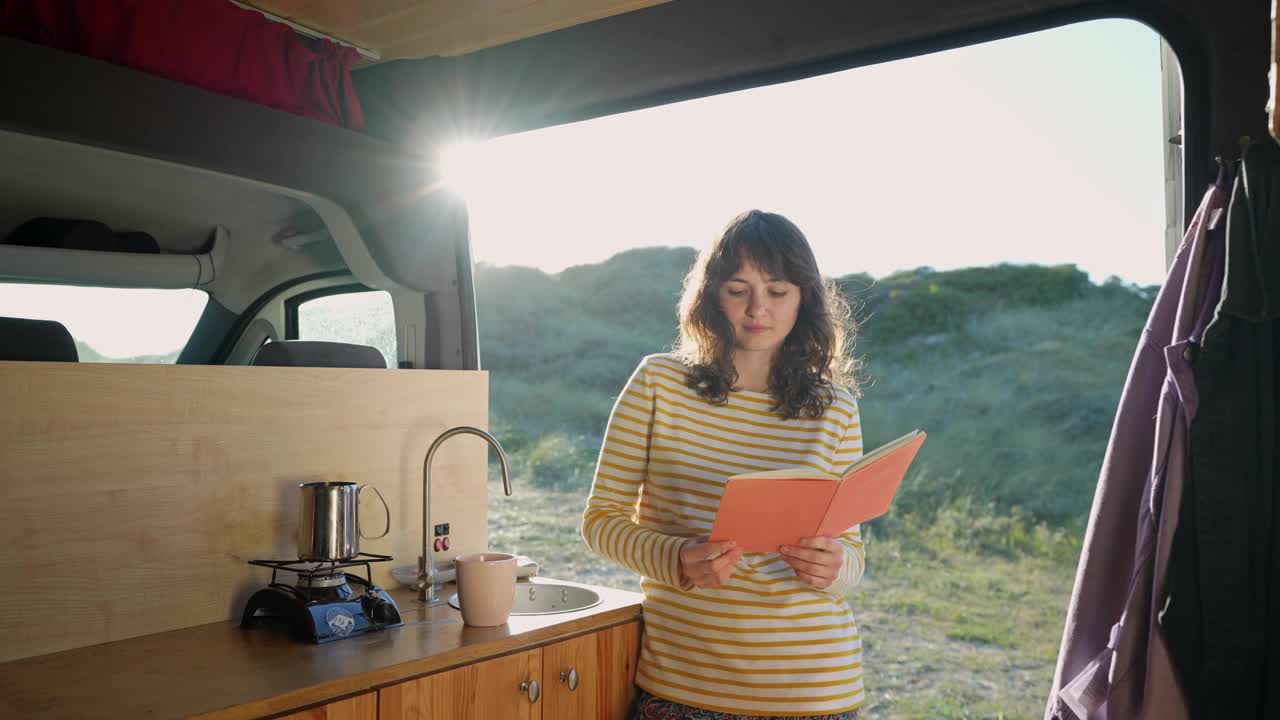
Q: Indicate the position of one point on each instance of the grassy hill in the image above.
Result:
(1014, 370)
(560, 347)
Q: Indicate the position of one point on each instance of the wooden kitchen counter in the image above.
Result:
(223, 672)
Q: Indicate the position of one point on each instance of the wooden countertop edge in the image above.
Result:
(304, 698)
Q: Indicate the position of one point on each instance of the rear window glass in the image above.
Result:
(125, 325)
(362, 318)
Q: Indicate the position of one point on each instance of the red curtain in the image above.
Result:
(211, 44)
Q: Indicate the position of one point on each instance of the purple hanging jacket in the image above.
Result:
(1114, 663)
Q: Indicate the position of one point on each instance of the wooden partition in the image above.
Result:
(131, 496)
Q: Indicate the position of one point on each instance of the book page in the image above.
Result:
(884, 449)
(867, 492)
(762, 513)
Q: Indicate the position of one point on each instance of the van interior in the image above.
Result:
(235, 174)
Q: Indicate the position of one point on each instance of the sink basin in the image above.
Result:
(547, 599)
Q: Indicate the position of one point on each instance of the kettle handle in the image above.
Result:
(385, 508)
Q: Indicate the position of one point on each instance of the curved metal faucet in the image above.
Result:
(427, 563)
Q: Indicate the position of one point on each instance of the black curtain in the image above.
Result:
(1222, 613)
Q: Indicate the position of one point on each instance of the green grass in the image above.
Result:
(959, 634)
(1018, 405)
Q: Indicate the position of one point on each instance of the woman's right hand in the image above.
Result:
(706, 564)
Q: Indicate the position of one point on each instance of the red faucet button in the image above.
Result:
(446, 543)
(436, 545)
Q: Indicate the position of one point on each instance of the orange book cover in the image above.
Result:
(760, 511)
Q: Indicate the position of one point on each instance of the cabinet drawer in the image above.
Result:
(488, 690)
(590, 677)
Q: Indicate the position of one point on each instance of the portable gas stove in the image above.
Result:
(325, 602)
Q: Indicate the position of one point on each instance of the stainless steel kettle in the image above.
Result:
(329, 521)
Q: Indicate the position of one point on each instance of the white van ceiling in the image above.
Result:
(394, 29)
(179, 206)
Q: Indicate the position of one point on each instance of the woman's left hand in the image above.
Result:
(816, 560)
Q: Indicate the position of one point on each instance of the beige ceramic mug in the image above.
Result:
(486, 587)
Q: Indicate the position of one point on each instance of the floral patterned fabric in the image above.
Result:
(649, 707)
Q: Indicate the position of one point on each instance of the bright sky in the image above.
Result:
(1045, 148)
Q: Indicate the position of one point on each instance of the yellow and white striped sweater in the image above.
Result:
(765, 642)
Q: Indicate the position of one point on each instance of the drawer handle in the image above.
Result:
(572, 677)
(531, 688)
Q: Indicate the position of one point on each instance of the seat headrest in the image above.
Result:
(39, 340)
(313, 353)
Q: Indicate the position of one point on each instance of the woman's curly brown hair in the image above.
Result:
(816, 353)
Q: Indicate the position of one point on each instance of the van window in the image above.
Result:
(360, 318)
(117, 325)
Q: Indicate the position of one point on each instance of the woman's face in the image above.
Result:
(760, 309)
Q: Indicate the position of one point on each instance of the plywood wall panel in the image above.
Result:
(398, 29)
(131, 496)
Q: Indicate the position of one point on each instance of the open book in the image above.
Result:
(763, 510)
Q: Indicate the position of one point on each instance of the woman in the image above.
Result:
(759, 380)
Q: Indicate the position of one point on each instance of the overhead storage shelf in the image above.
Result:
(113, 269)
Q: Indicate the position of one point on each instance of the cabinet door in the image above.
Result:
(571, 679)
(360, 707)
(489, 690)
(603, 664)
(617, 650)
